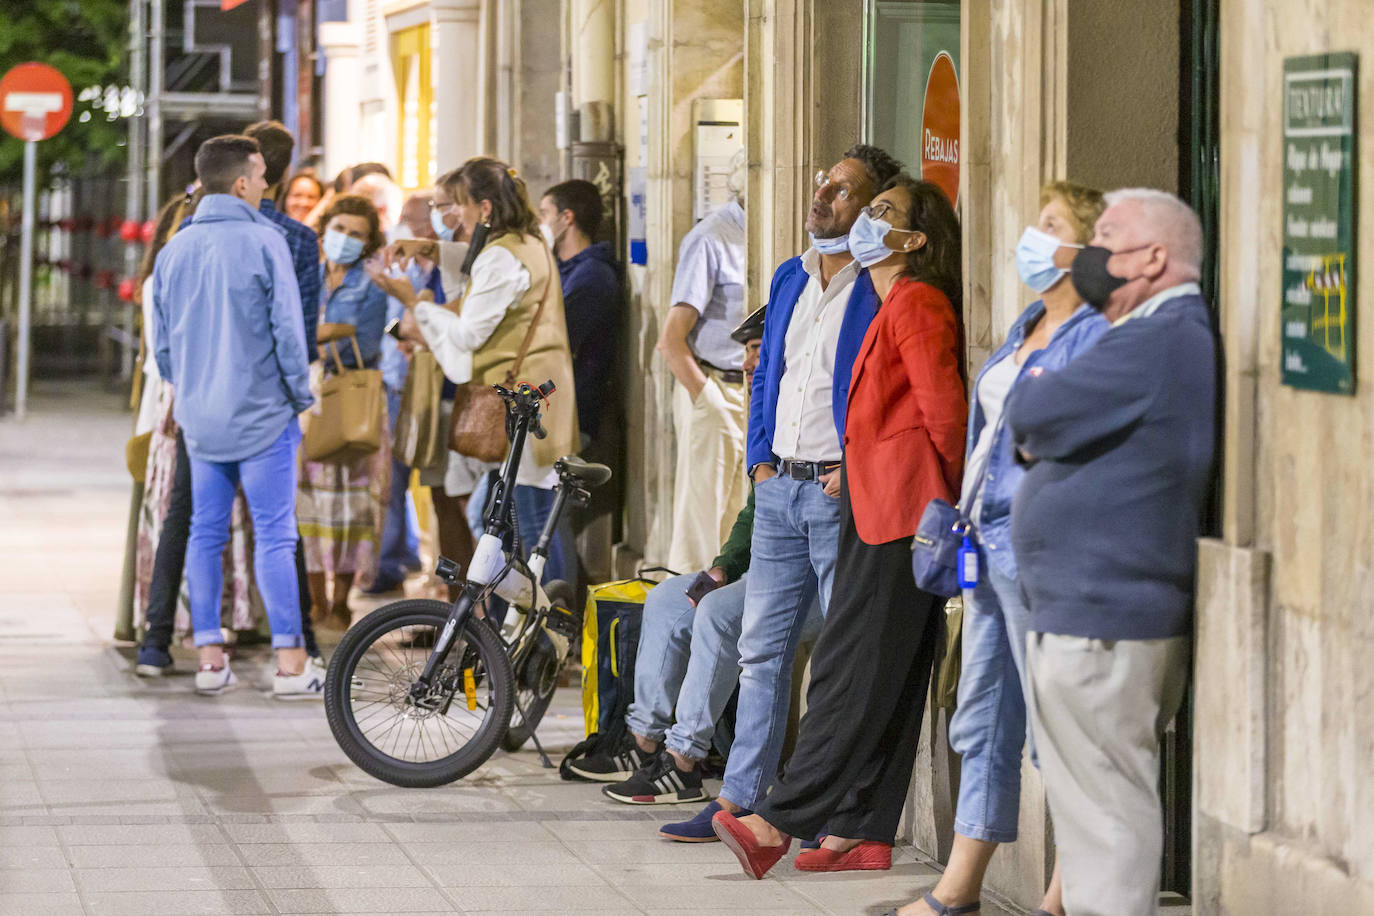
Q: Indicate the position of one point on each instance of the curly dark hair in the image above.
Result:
(939, 261)
(356, 205)
(482, 178)
(878, 163)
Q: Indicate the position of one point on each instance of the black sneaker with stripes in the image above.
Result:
(660, 782)
(614, 764)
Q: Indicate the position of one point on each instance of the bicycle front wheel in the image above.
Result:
(430, 740)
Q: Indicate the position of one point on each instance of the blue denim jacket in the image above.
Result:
(359, 302)
(993, 524)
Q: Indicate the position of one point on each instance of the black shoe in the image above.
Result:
(659, 783)
(612, 765)
(385, 585)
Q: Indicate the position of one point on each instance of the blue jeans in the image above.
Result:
(796, 539)
(400, 535)
(269, 485)
(989, 725)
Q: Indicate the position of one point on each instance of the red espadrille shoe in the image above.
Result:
(867, 856)
(755, 859)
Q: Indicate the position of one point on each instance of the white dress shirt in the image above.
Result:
(806, 419)
(499, 281)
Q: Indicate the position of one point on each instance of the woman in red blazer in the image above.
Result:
(904, 445)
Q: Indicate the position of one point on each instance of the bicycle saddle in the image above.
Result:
(586, 473)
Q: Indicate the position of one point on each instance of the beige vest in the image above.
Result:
(548, 357)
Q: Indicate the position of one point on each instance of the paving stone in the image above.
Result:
(306, 833)
(152, 856)
(340, 876)
(595, 898)
(533, 854)
(19, 835)
(177, 903)
(169, 878)
(36, 881)
(41, 904)
(31, 857)
(480, 832)
(313, 854)
(484, 871)
(359, 900)
(167, 834)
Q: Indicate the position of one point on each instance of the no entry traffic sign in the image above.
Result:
(35, 101)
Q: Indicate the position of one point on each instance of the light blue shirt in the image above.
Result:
(230, 332)
(710, 278)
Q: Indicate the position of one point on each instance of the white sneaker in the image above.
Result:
(212, 683)
(308, 685)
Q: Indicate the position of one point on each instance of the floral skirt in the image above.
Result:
(240, 595)
(341, 511)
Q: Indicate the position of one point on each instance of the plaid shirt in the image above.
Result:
(305, 257)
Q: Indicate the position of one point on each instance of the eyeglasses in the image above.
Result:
(823, 180)
(442, 208)
(881, 211)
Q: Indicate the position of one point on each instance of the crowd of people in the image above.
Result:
(249, 308)
(812, 436)
(1078, 458)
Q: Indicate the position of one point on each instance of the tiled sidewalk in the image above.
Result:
(119, 796)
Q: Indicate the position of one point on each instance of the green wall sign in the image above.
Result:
(1319, 219)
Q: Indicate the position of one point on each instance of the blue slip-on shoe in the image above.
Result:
(698, 829)
(152, 662)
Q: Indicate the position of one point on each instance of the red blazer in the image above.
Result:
(904, 431)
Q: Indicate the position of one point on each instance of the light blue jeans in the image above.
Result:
(796, 538)
(990, 724)
(676, 638)
(269, 485)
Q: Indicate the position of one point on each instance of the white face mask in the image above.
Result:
(441, 229)
(1035, 259)
(548, 235)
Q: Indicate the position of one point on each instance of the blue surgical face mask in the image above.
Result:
(1035, 259)
(340, 248)
(831, 246)
(866, 240)
(436, 219)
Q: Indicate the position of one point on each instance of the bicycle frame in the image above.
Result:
(492, 571)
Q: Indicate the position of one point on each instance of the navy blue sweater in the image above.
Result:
(1106, 521)
(592, 304)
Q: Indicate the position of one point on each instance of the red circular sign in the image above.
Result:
(35, 101)
(940, 127)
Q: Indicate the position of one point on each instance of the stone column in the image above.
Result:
(341, 43)
(457, 80)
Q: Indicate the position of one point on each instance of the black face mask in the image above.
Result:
(1091, 278)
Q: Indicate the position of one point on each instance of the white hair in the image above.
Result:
(1167, 220)
(738, 175)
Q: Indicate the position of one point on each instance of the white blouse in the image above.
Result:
(498, 282)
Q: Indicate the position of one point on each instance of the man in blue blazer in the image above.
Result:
(819, 307)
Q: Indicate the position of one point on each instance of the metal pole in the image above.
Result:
(156, 38)
(21, 361)
(133, 191)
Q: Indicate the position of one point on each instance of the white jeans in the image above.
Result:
(709, 488)
(1099, 709)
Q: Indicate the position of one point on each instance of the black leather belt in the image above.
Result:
(729, 376)
(806, 470)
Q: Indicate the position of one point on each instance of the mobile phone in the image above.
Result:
(701, 586)
(393, 327)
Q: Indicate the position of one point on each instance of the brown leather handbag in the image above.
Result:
(479, 415)
(346, 422)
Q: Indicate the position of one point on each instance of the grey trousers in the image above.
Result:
(1099, 709)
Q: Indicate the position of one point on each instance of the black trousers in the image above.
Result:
(170, 561)
(870, 674)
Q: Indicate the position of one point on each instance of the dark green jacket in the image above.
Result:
(734, 554)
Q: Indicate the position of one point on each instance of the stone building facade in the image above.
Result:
(1270, 783)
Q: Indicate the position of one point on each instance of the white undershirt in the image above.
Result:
(806, 419)
(993, 389)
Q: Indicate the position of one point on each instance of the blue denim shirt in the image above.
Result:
(359, 302)
(230, 336)
(993, 523)
(395, 365)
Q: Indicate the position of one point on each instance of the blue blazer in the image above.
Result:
(788, 282)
